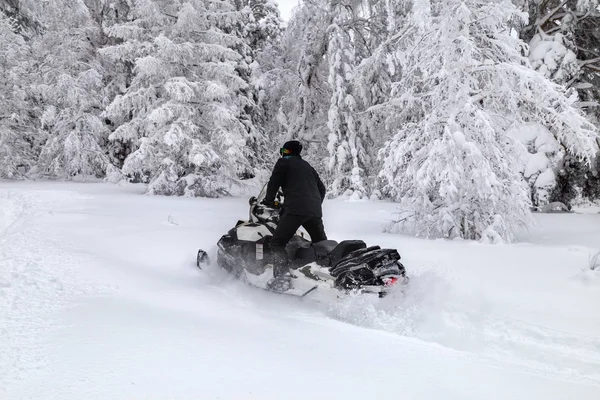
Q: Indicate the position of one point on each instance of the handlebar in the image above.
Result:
(265, 213)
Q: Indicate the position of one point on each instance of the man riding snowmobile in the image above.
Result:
(304, 193)
(324, 266)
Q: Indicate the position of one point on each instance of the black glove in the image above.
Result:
(269, 204)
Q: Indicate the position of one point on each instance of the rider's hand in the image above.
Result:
(270, 204)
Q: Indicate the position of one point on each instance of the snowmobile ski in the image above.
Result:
(292, 292)
(202, 259)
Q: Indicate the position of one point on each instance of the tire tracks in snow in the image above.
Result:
(433, 311)
(11, 212)
(35, 282)
(11, 219)
(572, 356)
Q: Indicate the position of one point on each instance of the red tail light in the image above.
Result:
(390, 280)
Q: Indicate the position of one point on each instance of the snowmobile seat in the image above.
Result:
(324, 247)
(344, 248)
(299, 249)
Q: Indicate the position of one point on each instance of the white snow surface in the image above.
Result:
(100, 299)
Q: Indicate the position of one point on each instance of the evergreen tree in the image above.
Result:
(17, 139)
(294, 93)
(265, 26)
(348, 157)
(465, 83)
(307, 35)
(565, 46)
(187, 112)
(24, 16)
(565, 43)
(70, 85)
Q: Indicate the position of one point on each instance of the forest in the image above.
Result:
(470, 114)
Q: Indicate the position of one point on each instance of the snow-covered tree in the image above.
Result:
(565, 44)
(324, 43)
(564, 37)
(24, 15)
(308, 32)
(185, 115)
(543, 154)
(348, 157)
(17, 139)
(294, 93)
(465, 82)
(265, 26)
(555, 57)
(70, 85)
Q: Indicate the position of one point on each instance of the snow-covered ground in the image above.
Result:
(100, 299)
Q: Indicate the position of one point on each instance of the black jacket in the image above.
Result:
(303, 190)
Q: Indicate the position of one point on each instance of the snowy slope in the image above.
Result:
(99, 299)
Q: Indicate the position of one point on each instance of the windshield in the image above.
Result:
(260, 213)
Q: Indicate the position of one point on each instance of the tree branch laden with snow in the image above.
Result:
(465, 83)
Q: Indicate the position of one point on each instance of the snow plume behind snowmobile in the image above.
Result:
(345, 266)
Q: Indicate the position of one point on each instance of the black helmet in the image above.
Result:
(291, 147)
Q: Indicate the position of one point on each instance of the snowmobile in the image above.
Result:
(347, 266)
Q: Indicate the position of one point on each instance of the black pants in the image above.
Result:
(287, 227)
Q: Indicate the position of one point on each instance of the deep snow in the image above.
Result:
(99, 298)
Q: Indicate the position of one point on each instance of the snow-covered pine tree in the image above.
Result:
(274, 77)
(185, 113)
(375, 70)
(565, 40)
(373, 75)
(266, 26)
(308, 32)
(116, 75)
(17, 140)
(70, 85)
(464, 83)
(23, 15)
(320, 32)
(566, 32)
(294, 95)
(348, 157)
(587, 39)
(247, 68)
